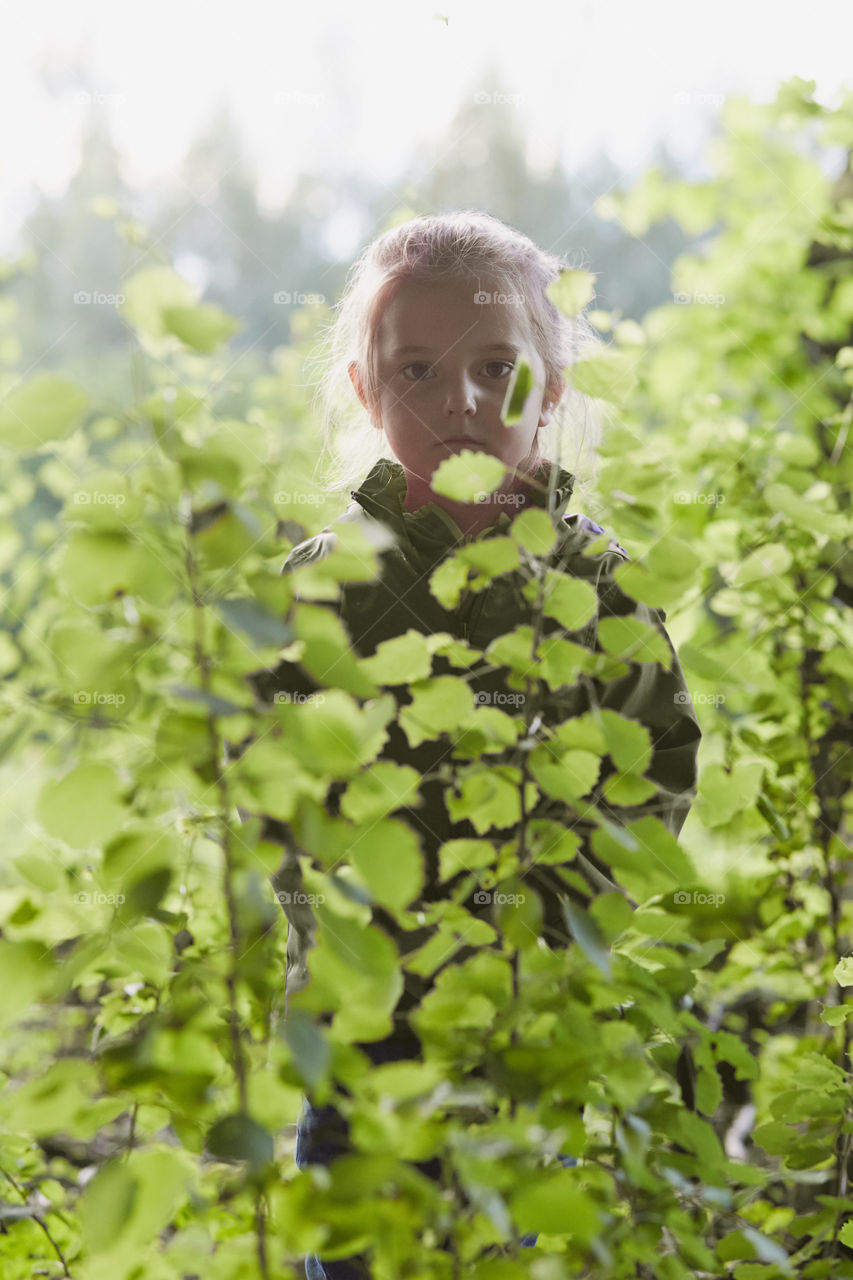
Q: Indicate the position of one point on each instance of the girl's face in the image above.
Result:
(444, 357)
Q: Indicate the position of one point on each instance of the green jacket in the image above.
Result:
(399, 600)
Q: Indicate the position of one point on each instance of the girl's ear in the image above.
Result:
(355, 379)
(551, 399)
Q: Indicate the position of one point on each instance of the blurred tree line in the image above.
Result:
(210, 224)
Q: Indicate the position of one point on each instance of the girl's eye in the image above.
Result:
(418, 365)
(506, 366)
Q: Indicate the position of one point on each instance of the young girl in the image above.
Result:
(437, 312)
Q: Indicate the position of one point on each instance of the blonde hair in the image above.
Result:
(458, 243)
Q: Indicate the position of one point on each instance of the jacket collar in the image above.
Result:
(432, 529)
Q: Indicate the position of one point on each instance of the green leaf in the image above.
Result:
(572, 775)
(520, 386)
(26, 973)
(203, 327)
(518, 913)
(671, 559)
(638, 583)
(465, 855)
(631, 638)
(263, 627)
(627, 789)
(610, 376)
(400, 660)
(309, 1046)
(96, 567)
(44, 407)
(354, 970)
(724, 793)
(843, 972)
(439, 705)
(239, 1137)
(84, 806)
(468, 476)
(657, 864)
(613, 914)
(388, 858)
(553, 1203)
(333, 735)
(487, 798)
(135, 854)
(149, 293)
(629, 743)
(327, 654)
(534, 530)
(769, 561)
(588, 936)
(571, 291)
(447, 581)
(378, 791)
(106, 1206)
(804, 514)
(570, 600)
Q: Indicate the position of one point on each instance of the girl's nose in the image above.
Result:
(460, 399)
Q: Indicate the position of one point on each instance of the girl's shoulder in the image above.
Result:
(316, 548)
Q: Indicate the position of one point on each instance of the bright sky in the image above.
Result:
(587, 74)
